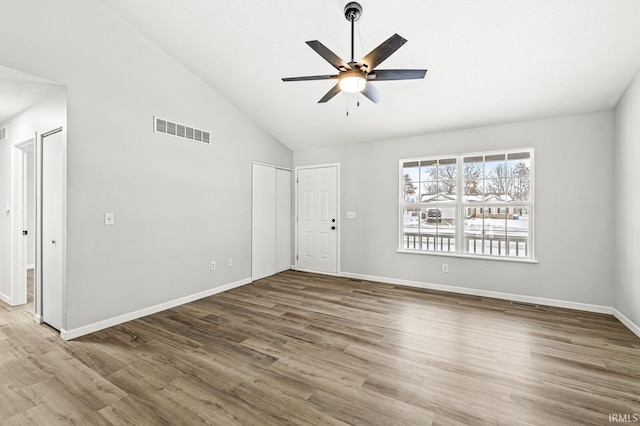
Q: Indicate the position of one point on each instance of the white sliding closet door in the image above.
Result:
(263, 216)
(283, 220)
(271, 221)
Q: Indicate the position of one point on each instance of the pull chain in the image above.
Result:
(347, 98)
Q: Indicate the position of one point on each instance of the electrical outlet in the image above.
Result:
(213, 265)
(445, 267)
(109, 219)
(230, 262)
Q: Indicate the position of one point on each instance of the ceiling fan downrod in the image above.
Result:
(353, 12)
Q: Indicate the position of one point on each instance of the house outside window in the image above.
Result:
(477, 204)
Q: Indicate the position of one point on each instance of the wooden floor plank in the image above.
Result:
(300, 348)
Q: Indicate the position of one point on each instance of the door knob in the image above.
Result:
(333, 227)
(53, 241)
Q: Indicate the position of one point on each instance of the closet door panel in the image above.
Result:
(263, 218)
(283, 220)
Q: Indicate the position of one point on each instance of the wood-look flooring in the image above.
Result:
(300, 348)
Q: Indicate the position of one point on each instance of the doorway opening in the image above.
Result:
(32, 107)
(23, 220)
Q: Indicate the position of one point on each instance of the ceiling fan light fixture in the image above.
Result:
(352, 81)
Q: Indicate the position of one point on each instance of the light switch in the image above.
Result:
(108, 219)
(351, 215)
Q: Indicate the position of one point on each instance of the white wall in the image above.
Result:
(573, 173)
(178, 204)
(42, 117)
(627, 205)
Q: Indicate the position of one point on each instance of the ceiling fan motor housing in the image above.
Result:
(353, 10)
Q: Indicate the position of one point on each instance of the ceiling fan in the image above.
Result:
(357, 76)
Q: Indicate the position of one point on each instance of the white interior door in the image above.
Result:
(52, 229)
(283, 220)
(317, 219)
(263, 218)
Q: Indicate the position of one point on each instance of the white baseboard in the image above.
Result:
(37, 318)
(31, 267)
(486, 293)
(101, 325)
(6, 299)
(627, 322)
(311, 271)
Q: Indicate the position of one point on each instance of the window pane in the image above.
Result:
(410, 173)
(473, 230)
(447, 169)
(410, 193)
(495, 190)
(519, 164)
(438, 229)
(495, 167)
(495, 233)
(472, 169)
(519, 189)
(447, 191)
(518, 233)
(429, 170)
(429, 192)
(411, 228)
(485, 230)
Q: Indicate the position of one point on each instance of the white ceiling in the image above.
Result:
(20, 90)
(489, 61)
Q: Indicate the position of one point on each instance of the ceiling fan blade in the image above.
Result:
(382, 75)
(310, 77)
(382, 52)
(330, 94)
(337, 62)
(372, 93)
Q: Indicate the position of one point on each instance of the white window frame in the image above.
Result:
(460, 206)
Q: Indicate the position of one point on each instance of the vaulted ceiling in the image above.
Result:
(489, 61)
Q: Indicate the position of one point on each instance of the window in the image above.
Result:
(492, 214)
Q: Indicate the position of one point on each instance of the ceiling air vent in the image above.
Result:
(180, 130)
(3, 133)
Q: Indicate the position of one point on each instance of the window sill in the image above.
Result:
(470, 256)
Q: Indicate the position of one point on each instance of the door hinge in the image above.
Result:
(296, 257)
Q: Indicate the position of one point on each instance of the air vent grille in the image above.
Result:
(3, 133)
(180, 130)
